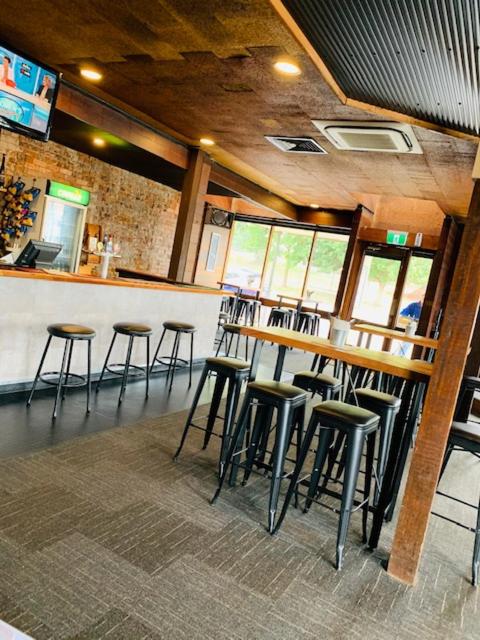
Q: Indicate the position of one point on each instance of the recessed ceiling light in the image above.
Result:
(91, 74)
(287, 67)
(208, 142)
(99, 142)
(314, 206)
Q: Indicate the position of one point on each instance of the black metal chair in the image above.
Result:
(172, 361)
(132, 330)
(359, 426)
(465, 436)
(227, 370)
(280, 317)
(71, 333)
(266, 396)
(316, 382)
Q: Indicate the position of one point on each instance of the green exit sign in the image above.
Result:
(397, 237)
(68, 193)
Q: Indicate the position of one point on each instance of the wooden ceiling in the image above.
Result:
(205, 68)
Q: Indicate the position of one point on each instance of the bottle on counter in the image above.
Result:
(110, 244)
(2, 172)
(105, 241)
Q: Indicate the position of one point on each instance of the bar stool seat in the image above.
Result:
(267, 396)
(71, 331)
(228, 370)
(321, 383)
(183, 327)
(278, 390)
(131, 328)
(359, 425)
(377, 399)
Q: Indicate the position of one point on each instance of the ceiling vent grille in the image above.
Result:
(385, 137)
(290, 144)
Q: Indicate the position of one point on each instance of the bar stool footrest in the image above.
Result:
(82, 380)
(138, 371)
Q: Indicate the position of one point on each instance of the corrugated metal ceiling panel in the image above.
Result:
(417, 57)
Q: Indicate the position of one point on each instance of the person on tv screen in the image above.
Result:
(6, 71)
(45, 90)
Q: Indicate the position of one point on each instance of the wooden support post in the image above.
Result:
(353, 263)
(190, 218)
(448, 370)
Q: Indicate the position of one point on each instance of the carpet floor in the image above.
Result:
(105, 537)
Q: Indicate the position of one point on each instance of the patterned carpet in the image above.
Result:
(105, 537)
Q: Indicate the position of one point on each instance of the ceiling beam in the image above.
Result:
(95, 112)
(243, 187)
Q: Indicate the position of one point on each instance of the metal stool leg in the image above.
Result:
(147, 369)
(259, 424)
(39, 371)
(68, 368)
(105, 364)
(89, 373)
(214, 405)
(126, 369)
(192, 411)
(281, 441)
(221, 342)
(368, 483)
(157, 350)
(354, 454)
(324, 441)
(233, 395)
(191, 361)
(476, 552)
(60, 380)
(173, 362)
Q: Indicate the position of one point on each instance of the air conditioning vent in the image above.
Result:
(386, 137)
(296, 145)
(218, 217)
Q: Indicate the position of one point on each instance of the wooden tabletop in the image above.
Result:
(382, 361)
(394, 334)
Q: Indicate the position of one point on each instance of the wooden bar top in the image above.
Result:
(382, 361)
(75, 278)
(394, 334)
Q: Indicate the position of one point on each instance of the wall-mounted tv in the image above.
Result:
(28, 91)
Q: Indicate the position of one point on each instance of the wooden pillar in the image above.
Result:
(352, 265)
(190, 218)
(448, 370)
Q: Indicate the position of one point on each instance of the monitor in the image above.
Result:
(28, 92)
(38, 254)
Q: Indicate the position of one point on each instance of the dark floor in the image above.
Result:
(104, 537)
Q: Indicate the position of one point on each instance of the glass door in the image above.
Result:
(376, 289)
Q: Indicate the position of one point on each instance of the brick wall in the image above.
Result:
(141, 214)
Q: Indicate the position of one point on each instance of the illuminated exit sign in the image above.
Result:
(397, 237)
(68, 193)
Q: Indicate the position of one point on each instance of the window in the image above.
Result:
(326, 265)
(287, 262)
(413, 294)
(376, 289)
(247, 254)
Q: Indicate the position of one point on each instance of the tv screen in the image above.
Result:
(28, 91)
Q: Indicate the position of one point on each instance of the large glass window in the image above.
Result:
(376, 289)
(287, 262)
(247, 254)
(416, 282)
(326, 264)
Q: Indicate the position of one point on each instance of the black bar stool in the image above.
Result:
(70, 333)
(173, 361)
(280, 317)
(289, 402)
(132, 330)
(230, 331)
(323, 384)
(235, 372)
(307, 322)
(386, 407)
(360, 427)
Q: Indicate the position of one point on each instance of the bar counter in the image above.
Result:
(33, 299)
